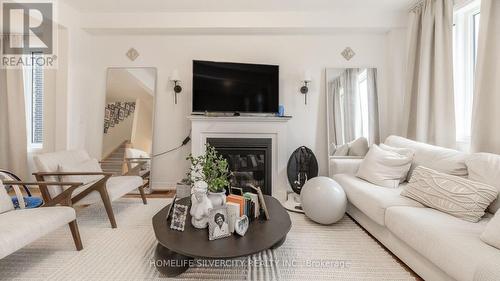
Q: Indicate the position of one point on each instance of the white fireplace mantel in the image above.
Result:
(274, 128)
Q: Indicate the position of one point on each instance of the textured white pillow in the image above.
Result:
(384, 167)
(91, 165)
(358, 147)
(457, 196)
(491, 234)
(5, 201)
(485, 168)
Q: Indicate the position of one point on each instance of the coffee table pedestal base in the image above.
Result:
(170, 263)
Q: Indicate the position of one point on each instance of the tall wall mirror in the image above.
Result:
(128, 121)
(352, 105)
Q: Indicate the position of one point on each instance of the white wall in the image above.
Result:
(294, 54)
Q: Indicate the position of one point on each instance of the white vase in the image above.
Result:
(200, 205)
(218, 199)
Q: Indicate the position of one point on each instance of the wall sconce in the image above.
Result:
(177, 87)
(305, 88)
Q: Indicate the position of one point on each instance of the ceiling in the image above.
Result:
(135, 6)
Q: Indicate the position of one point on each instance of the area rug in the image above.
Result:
(342, 251)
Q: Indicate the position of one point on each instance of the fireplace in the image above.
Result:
(249, 161)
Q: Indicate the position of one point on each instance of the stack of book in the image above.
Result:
(248, 204)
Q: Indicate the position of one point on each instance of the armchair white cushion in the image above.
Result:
(137, 153)
(5, 201)
(90, 165)
(19, 228)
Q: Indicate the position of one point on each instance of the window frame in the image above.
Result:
(29, 73)
(464, 61)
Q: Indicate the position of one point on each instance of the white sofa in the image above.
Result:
(435, 245)
(19, 228)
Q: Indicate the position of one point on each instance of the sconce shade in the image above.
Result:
(175, 76)
(307, 76)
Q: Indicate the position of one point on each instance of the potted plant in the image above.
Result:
(212, 168)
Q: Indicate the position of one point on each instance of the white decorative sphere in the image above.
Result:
(323, 200)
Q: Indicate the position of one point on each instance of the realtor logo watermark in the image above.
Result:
(28, 34)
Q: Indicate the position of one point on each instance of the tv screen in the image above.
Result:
(235, 87)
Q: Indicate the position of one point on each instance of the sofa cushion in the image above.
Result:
(5, 201)
(485, 167)
(491, 234)
(21, 227)
(341, 150)
(371, 199)
(457, 196)
(444, 160)
(358, 147)
(450, 243)
(116, 187)
(384, 167)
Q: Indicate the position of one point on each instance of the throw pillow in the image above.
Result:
(5, 201)
(457, 196)
(491, 234)
(485, 167)
(383, 167)
(358, 147)
(91, 165)
(342, 150)
(403, 151)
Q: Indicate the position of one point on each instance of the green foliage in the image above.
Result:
(211, 168)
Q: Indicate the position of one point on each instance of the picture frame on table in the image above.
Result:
(218, 223)
(179, 215)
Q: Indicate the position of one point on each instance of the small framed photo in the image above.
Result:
(127, 106)
(121, 115)
(218, 223)
(107, 114)
(179, 217)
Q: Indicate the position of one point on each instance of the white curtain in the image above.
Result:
(486, 108)
(373, 127)
(336, 127)
(429, 99)
(13, 139)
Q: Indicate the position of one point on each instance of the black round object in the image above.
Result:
(177, 89)
(302, 166)
(304, 89)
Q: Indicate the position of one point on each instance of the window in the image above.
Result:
(34, 96)
(465, 42)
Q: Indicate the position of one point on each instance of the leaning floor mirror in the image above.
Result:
(352, 107)
(128, 122)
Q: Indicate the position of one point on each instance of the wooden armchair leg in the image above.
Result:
(107, 205)
(143, 195)
(73, 226)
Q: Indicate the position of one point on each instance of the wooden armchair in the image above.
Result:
(97, 185)
(19, 228)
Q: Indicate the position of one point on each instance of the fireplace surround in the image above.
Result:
(274, 129)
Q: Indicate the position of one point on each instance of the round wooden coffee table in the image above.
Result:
(176, 249)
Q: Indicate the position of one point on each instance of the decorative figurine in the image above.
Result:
(200, 205)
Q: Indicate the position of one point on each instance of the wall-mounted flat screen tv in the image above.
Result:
(235, 87)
